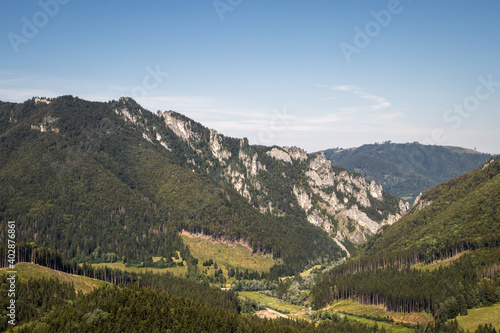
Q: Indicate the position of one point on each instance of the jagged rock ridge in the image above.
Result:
(276, 180)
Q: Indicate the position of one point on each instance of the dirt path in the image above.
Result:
(342, 247)
(270, 314)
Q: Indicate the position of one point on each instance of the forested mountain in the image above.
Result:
(113, 181)
(78, 178)
(457, 219)
(102, 182)
(407, 169)
(458, 215)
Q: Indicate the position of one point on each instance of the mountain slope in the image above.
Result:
(82, 284)
(113, 181)
(407, 169)
(278, 181)
(458, 221)
(77, 177)
(461, 214)
(132, 309)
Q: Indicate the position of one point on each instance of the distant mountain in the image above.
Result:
(407, 169)
(115, 182)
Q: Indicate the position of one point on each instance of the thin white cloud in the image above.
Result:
(343, 87)
(377, 102)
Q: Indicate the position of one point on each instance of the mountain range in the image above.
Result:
(111, 182)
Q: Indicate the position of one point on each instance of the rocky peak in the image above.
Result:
(279, 155)
(217, 148)
(41, 100)
(296, 153)
(419, 203)
(320, 171)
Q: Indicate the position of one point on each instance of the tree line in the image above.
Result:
(472, 280)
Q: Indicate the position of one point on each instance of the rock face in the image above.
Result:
(279, 155)
(47, 124)
(217, 148)
(180, 128)
(340, 198)
(419, 204)
(276, 180)
(41, 100)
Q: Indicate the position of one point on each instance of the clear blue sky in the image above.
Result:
(315, 74)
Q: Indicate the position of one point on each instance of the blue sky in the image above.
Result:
(314, 74)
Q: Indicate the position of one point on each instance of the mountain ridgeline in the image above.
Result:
(115, 182)
(408, 169)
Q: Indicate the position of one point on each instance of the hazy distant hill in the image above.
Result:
(407, 169)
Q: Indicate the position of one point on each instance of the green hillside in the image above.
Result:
(37, 291)
(78, 178)
(82, 284)
(481, 316)
(406, 170)
(134, 309)
(464, 213)
(458, 220)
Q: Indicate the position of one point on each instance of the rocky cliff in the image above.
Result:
(275, 180)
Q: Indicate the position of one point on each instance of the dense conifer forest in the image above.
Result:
(95, 190)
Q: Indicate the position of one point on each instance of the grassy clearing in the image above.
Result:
(370, 322)
(82, 284)
(437, 264)
(307, 272)
(476, 317)
(235, 256)
(272, 302)
(355, 309)
(226, 256)
(304, 273)
(177, 271)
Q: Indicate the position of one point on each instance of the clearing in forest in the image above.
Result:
(234, 255)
